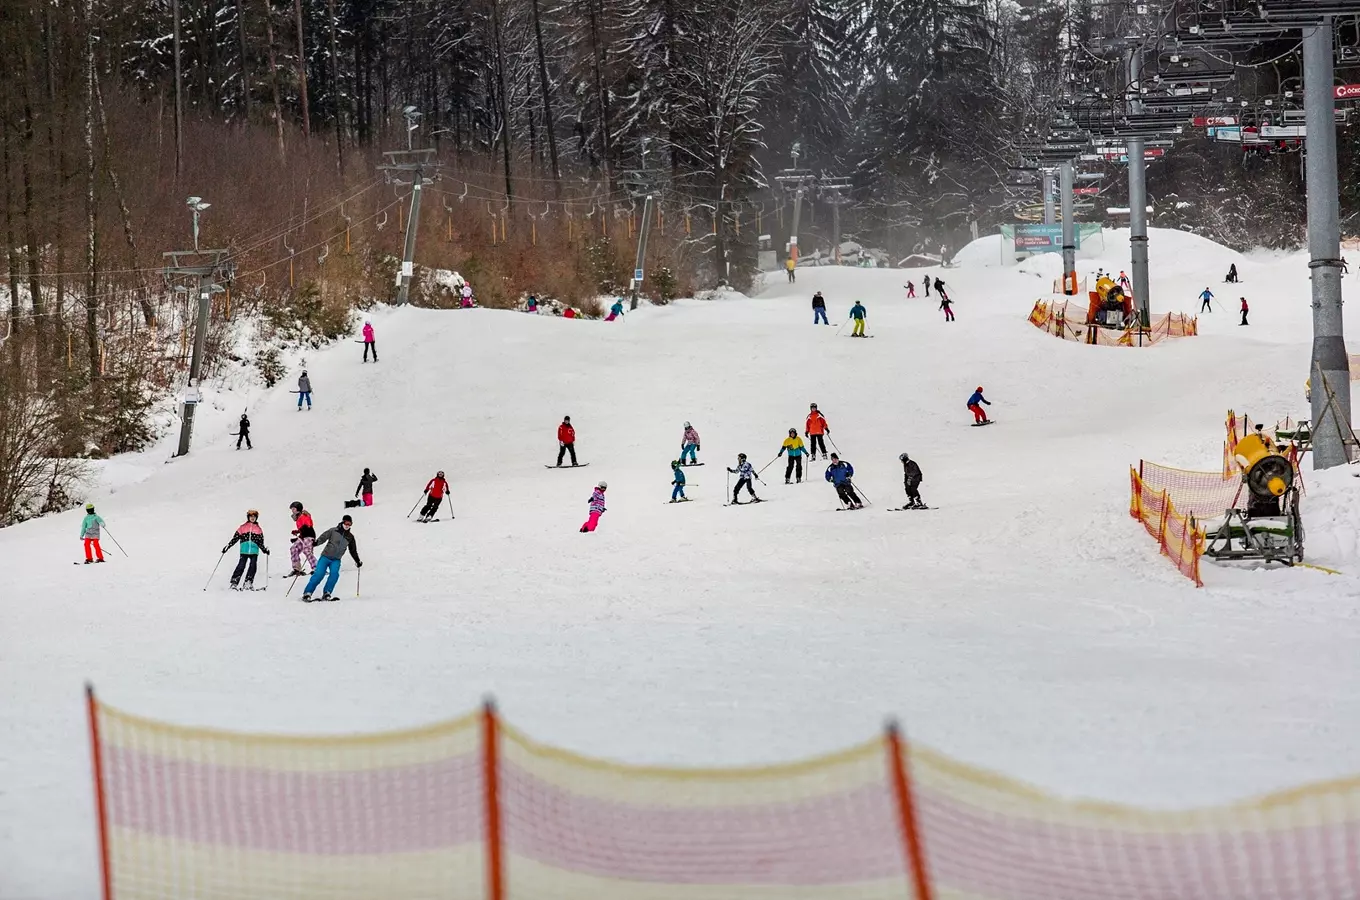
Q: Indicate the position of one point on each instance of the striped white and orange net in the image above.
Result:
(1067, 320)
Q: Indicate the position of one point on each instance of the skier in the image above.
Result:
(819, 309)
(745, 473)
(304, 536)
(1125, 284)
(926, 282)
(975, 406)
(815, 430)
(1232, 274)
(89, 532)
(251, 539)
(678, 480)
(304, 391)
(366, 487)
(615, 311)
(596, 508)
(939, 289)
(911, 480)
(789, 265)
(467, 296)
(369, 343)
(858, 312)
(839, 474)
(689, 446)
(1245, 309)
(945, 305)
(243, 432)
(334, 542)
(531, 304)
(566, 440)
(911, 290)
(1205, 297)
(794, 444)
(434, 493)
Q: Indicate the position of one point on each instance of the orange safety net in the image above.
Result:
(1203, 495)
(1174, 531)
(474, 810)
(1067, 320)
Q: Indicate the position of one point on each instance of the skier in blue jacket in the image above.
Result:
(840, 473)
(677, 479)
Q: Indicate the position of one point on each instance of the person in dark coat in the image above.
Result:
(911, 480)
(243, 433)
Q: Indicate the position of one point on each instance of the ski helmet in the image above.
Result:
(602, 485)
(439, 474)
(346, 520)
(903, 457)
(793, 432)
(566, 418)
(741, 456)
(89, 507)
(835, 456)
(979, 388)
(813, 406)
(296, 504)
(687, 425)
(252, 512)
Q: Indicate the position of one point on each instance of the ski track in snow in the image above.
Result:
(1028, 624)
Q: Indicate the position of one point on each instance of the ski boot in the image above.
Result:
(306, 598)
(88, 561)
(234, 585)
(248, 586)
(328, 597)
(99, 560)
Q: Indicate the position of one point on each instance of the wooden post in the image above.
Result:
(495, 861)
(100, 805)
(912, 847)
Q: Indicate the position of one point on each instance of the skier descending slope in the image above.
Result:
(858, 313)
(434, 491)
(304, 391)
(689, 446)
(911, 480)
(678, 480)
(946, 304)
(1206, 297)
(794, 445)
(90, 533)
(243, 432)
(304, 535)
(815, 430)
(745, 473)
(596, 508)
(334, 542)
(840, 473)
(939, 289)
(251, 538)
(975, 406)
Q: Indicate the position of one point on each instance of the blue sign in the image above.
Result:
(637, 276)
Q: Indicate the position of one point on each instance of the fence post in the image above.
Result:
(101, 807)
(1161, 529)
(906, 813)
(495, 860)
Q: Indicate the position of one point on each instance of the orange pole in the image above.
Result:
(495, 861)
(101, 807)
(906, 813)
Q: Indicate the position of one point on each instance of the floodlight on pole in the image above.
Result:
(197, 205)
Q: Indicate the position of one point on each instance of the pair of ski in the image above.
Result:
(426, 521)
(747, 502)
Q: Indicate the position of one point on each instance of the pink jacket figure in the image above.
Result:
(369, 343)
(596, 508)
(467, 295)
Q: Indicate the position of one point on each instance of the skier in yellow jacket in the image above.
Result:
(794, 445)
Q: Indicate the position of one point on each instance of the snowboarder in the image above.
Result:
(975, 406)
(334, 542)
(689, 446)
(1245, 309)
(243, 432)
(251, 539)
(304, 390)
(939, 289)
(615, 311)
(596, 508)
(1206, 296)
(566, 440)
(366, 487)
(1232, 274)
(90, 533)
(304, 536)
(434, 494)
(815, 430)
(946, 304)
(678, 480)
(794, 444)
(911, 480)
(858, 313)
(840, 473)
(819, 309)
(789, 265)
(911, 290)
(926, 282)
(745, 473)
(369, 343)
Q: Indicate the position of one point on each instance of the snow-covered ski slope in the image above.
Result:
(1026, 624)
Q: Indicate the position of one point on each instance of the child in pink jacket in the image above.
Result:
(596, 508)
(369, 343)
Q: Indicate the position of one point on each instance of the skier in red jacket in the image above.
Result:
(566, 441)
(434, 493)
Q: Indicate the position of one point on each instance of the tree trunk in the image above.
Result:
(179, 100)
(11, 244)
(245, 58)
(148, 314)
(598, 52)
(337, 106)
(56, 142)
(504, 99)
(548, 121)
(274, 75)
(30, 214)
(302, 72)
(91, 293)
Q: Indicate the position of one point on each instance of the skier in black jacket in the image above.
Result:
(819, 309)
(911, 480)
(243, 433)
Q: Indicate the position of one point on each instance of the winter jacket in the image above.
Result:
(790, 263)
(306, 528)
(946, 303)
(978, 398)
(816, 423)
(911, 473)
(1206, 295)
(616, 309)
(818, 302)
(597, 501)
(251, 538)
(90, 525)
(679, 474)
(245, 426)
(744, 470)
(365, 483)
(304, 384)
(437, 487)
(335, 541)
(569, 313)
(794, 445)
(566, 434)
(858, 311)
(840, 472)
(939, 285)
(1245, 308)
(368, 333)
(691, 437)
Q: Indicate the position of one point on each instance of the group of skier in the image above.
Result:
(1206, 298)
(332, 543)
(859, 315)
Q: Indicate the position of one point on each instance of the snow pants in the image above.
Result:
(792, 278)
(819, 315)
(948, 314)
(859, 328)
(746, 483)
(244, 436)
(911, 293)
(592, 521)
(305, 395)
(371, 345)
(688, 450)
(1244, 318)
(611, 317)
(564, 450)
(329, 569)
(368, 499)
(913, 492)
(795, 464)
(815, 441)
(846, 492)
(431, 506)
(678, 492)
(1205, 307)
(978, 415)
(300, 547)
(93, 544)
(249, 562)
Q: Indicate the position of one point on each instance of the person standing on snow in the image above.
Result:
(975, 406)
(1205, 297)
(615, 311)
(366, 487)
(815, 430)
(531, 304)
(434, 493)
(251, 539)
(794, 444)
(304, 390)
(566, 440)
(939, 289)
(369, 343)
(946, 304)
(745, 473)
(689, 446)
(1125, 284)
(1245, 309)
(678, 480)
(858, 313)
(911, 480)
(819, 309)
(467, 296)
(243, 432)
(304, 536)
(596, 508)
(333, 542)
(90, 533)
(840, 473)
(789, 265)
(926, 282)
(911, 290)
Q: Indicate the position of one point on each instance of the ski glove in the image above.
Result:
(226, 548)
(358, 565)
(265, 551)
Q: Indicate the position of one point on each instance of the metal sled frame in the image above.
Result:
(1241, 537)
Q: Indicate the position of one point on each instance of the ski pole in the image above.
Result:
(833, 443)
(266, 573)
(291, 583)
(358, 576)
(115, 541)
(413, 508)
(864, 495)
(729, 485)
(842, 328)
(214, 571)
(767, 465)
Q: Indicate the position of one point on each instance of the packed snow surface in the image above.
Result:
(1026, 624)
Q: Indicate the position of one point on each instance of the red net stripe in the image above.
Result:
(386, 810)
(1199, 494)
(839, 838)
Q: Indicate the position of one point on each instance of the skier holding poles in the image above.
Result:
(303, 537)
(243, 432)
(435, 491)
(911, 480)
(840, 473)
(334, 542)
(251, 538)
(815, 430)
(90, 532)
(745, 473)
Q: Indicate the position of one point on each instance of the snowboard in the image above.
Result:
(689, 465)
(578, 466)
(980, 424)
(681, 500)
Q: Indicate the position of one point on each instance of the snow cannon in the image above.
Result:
(1110, 306)
(1265, 470)
(1266, 525)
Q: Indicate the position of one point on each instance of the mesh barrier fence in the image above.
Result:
(473, 810)
(1176, 533)
(1203, 495)
(1067, 320)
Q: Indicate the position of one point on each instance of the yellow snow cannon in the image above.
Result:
(1266, 471)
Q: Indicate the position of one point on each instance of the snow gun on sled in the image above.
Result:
(1267, 526)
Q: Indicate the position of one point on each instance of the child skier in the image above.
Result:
(745, 473)
(858, 312)
(468, 302)
(531, 304)
(369, 343)
(251, 539)
(911, 290)
(911, 480)
(1245, 309)
(304, 391)
(366, 487)
(243, 432)
(304, 536)
(975, 406)
(566, 440)
(678, 480)
(815, 430)
(689, 446)
(1124, 282)
(596, 508)
(840, 473)
(334, 542)
(434, 492)
(794, 444)
(819, 309)
(615, 311)
(1205, 297)
(945, 304)
(90, 532)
